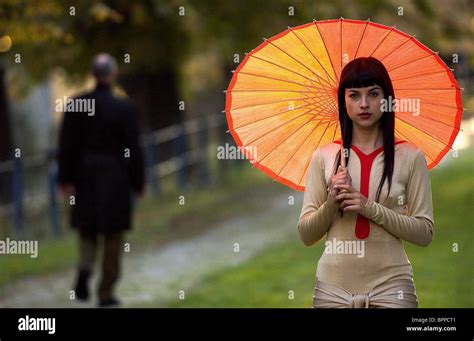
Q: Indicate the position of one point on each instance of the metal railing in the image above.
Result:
(44, 165)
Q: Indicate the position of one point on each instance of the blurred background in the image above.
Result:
(209, 232)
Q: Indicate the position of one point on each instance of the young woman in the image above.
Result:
(368, 208)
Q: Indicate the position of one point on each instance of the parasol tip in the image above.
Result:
(288, 27)
(225, 91)
(233, 71)
(223, 111)
(368, 19)
(314, 20)
(264, 39)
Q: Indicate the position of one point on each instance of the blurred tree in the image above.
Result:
(149, 42)
(235, 27)
(23, 28)
(147, 38)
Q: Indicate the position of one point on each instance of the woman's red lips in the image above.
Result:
(365, 115)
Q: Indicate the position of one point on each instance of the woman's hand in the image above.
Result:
(340, 178)
(351, 200)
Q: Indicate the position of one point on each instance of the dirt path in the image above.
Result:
(159, 275)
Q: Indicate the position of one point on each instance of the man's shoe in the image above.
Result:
(82, 285)
(110, 302)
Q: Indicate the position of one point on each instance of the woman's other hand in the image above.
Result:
(342, 177)
(350, 200)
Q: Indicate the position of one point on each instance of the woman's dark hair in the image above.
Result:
(359, 73)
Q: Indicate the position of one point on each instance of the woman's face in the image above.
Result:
(363, 105)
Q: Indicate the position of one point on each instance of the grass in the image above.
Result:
(52, 255)
(157, 220)
(443, 277)
(283, 275)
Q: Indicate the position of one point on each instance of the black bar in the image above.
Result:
(318, 324)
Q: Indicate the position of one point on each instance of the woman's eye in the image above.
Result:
(353, 95)
(374, 94)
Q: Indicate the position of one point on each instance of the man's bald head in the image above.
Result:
(104, 68)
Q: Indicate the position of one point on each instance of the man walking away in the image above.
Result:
(100, 169)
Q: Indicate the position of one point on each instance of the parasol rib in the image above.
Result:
(307, 166)
(411, 61)
(295, 72)
(380, 42)
(326, 48)
(273, 102)
(424, 132)
(277, 114)
(296, 130)
(280, 126)
(327, 73)
(421, 74)
(360, 40)
(296, 150)
(396, 48)
(296, 60)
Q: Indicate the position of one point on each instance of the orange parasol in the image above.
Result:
(281, 103)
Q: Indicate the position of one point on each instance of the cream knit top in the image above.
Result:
(406, 215)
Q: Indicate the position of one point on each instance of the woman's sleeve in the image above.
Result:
(319, 208)
(417, 226)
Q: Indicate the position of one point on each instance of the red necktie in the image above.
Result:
(362, 227)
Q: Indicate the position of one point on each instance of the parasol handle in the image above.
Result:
(343, 164)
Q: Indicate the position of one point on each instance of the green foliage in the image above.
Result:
(68, 33)
(156, 34)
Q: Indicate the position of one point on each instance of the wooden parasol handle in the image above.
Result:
(343, 164)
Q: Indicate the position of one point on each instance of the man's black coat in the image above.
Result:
(101, 156)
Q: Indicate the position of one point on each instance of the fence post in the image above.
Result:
(151, 151)
(180, 149)
(53, 203)
(203, 170)
(18, 196)
(224, 165)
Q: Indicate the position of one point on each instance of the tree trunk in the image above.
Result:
(6, 144)
(157, 98)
